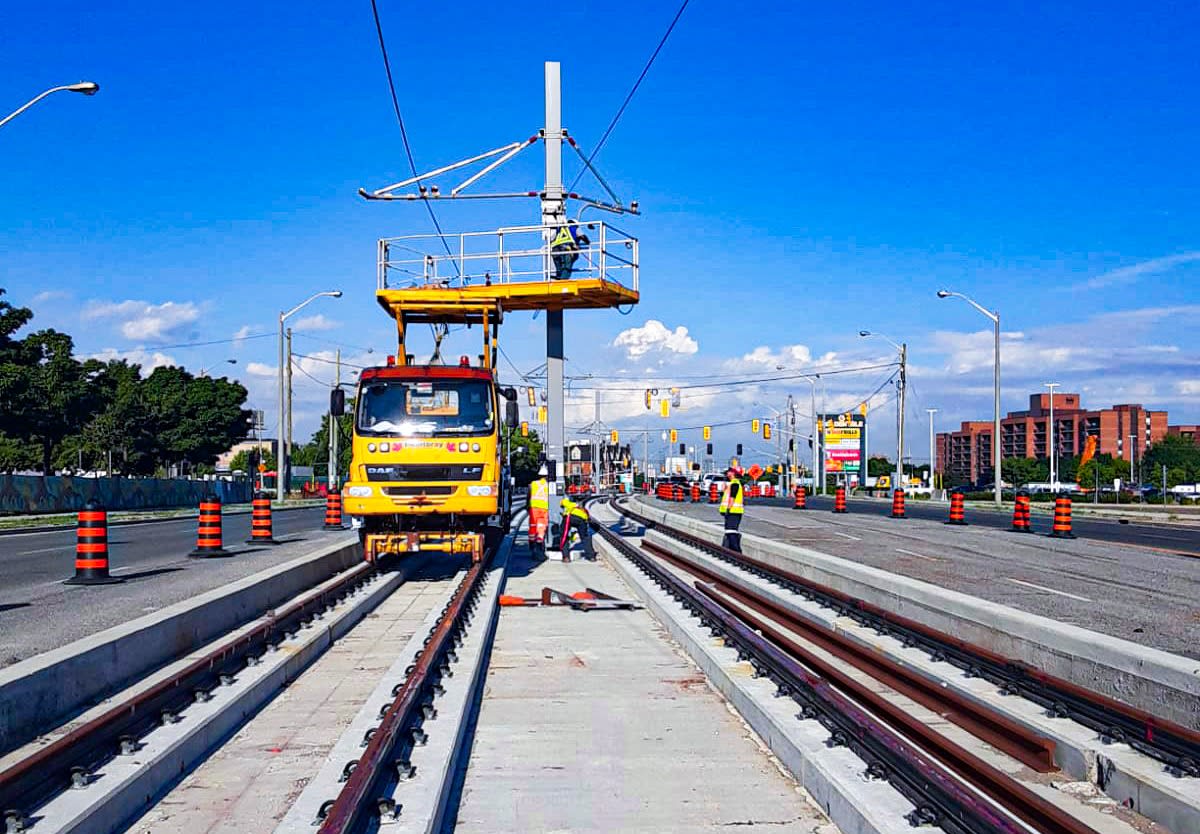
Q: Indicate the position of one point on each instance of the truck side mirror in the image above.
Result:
(337, 402)
(512, 414)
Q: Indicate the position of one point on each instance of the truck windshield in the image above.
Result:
(425, 408)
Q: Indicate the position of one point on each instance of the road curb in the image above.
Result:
(69, 526)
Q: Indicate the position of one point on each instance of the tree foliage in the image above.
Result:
(56, 409)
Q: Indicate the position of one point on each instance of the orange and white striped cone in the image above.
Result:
(839, 500)
(1020, 518)
(333, 511)
(898, 504)
(91, 548)
(260, 520)
(958, 515)
(208, 531)
(801, 499)
(1062, 519)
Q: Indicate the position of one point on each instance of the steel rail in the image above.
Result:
(1174, 745)
(939, 798)
(74, 757)
(361, 799)
(1003, 733)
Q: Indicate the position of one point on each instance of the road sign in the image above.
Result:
(754, 472)
(262, 467)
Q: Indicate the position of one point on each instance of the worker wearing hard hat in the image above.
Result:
(575, 518)
(539, 507)
(732, 508)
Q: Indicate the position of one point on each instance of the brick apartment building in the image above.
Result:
(967, 453)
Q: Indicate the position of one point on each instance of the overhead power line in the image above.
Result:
(204, 344)
(621, 110)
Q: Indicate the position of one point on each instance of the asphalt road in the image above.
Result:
(38, 612)
(1175, 538)
(1137, 592)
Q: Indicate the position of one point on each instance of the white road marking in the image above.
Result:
(918, 555)
(64, 547)
(1047, 590)
(847, 536)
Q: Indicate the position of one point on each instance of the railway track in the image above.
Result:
(896, 747)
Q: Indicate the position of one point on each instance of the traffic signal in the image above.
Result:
(664, 407)
(754, 426)
(524, 429)
(791, 444)
(647, 399)
(541, 414)
(708, 450)
(708, 434)
(739, 450)
(674, 436)
(766, 431)
(532, 396)
(614, 436)
(683, 448)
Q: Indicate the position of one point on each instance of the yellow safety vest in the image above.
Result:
(539, 495)
(731, 501)
(571, 508)
(565, 237)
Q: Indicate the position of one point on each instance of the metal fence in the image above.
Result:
(55, 494)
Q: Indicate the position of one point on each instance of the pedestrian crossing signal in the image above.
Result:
(614, 437)
(674, 436)
(524, 429)
(754, 426)
(708, 434)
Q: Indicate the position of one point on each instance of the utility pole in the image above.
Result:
(286, 486)
(1052, 440)
(553, 216)
(903, 386)
(333, 426)
(932, 454)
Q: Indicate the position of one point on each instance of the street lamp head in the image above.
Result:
(336, 294)
(943, 293)
(88, 88)
(864, 333)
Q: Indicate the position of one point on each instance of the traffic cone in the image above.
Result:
(958, 515)
(208, 531)
(898, 504)
(1062, 519)
(91, 548)
(333, 510)
(260, 520)
(801, 501)
(1020, 519)
(839, 500)
(695, 493)
(714, 495)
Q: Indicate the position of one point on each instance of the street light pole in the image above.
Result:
(281, 451)
(88, 88)
(901, 388)
(1052, 439)
(932, 456)
(994, 315)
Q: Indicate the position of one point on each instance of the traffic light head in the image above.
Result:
(739, 450)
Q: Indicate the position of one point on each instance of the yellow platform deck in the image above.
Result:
(463, 305)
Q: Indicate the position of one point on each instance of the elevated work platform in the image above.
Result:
(467, 278)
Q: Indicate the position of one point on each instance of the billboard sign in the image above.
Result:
(843, 441)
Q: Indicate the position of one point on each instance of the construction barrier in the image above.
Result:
(333, 510)
(898, 504)
(1062, 519)
(208, 532)
(91, 548)
(958, 513)
(260, 520)
(714, 494)
(678, 493)
(801, 499)
(1020, 519)
(695, 493)
(839, 500)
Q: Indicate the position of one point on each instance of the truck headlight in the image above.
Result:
(462, 447)
(475, 447)
(359, 491)
(479, 491)
(371, 447)
(385, 447)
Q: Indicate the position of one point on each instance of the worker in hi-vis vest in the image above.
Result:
(575, 518)
(565, 249)
(539, 506)
(732, 507)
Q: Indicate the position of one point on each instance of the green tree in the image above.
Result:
(526, 451)
(1021, 471)
(193, 419)
(1173, 452)
(316, 451)
(241, 461)
(1105, 468)
(879, 465)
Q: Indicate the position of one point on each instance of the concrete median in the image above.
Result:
(1161, 683)
(42, 692)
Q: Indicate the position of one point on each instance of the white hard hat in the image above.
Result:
(543, 472)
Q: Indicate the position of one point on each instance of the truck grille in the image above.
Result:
(423, 472)
(411, 491)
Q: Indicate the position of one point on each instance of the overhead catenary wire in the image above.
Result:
(628, 98)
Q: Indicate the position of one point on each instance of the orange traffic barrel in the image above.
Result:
(91, 548)
(898, 504)
(839, 500)
(333, 510)
(678, 493)
(1062, 519)
(695, 493)
(958, 513)
(260, 520)
(1020, 519)
(208, 532)
(714, 494)
(801, 499)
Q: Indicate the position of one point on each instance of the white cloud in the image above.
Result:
(317, 322)
(239, 336)
(50, 295)
(148, 360)
(1129, 274)
(655, 337)
(142, 321)
(791, 357)
(261, 370)
(1188, 387)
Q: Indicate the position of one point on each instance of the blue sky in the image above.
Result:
(805, 172)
